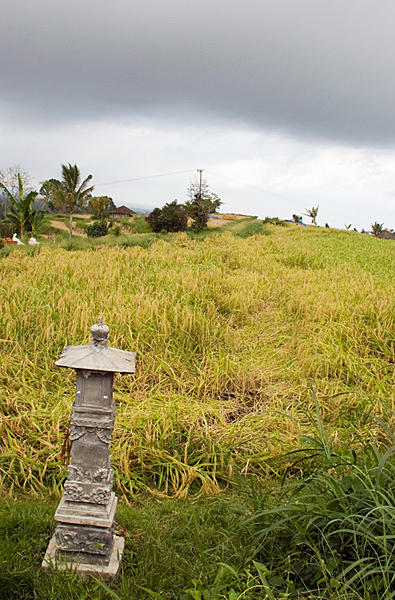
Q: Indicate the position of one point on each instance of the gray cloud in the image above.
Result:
(318, 68)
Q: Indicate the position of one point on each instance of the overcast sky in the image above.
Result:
(285, 104)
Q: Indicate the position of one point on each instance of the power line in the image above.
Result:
(147, 177)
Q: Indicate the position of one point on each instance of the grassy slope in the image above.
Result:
(229, 333)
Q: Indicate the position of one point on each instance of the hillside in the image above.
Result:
(229, 333)
(253, 448)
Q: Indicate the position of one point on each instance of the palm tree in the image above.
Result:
(312, 213)
(75, 194)
(69, 193)
(22, 213)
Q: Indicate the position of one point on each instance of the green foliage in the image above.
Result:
(202, 202)
(21, 212)
(153, 220)
(274, 221)
(297, 218)
(331, 524)
(200, 208)
(140, 225)
(6, 228)
(312, 213)
(377, 229)
(171, 218)
(126, 221)
(10, 178)
(67, 195)
(52, 197)
(97, 229)
(252, 228)
(100, 206)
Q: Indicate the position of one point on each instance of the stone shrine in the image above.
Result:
(84, 538)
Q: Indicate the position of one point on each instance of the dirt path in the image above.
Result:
(224, 219)
(64, 227)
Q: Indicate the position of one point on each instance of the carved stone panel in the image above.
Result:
(85, 475)
(93, 493)
(91, 544)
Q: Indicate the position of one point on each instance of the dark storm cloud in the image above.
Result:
(321, 68)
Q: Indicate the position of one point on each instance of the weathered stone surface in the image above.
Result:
(92, 493)
(111, 570)
(86, 514)
(77, 539)
(96, 515)
(104, 475)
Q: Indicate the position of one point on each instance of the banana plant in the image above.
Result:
(377, 228)
(312, 213)
(21, 212)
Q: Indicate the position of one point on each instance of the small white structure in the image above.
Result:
(33, 241)
(15, 239)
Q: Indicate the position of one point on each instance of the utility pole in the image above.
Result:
(200, 183)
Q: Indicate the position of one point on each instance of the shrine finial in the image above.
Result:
(99, 333)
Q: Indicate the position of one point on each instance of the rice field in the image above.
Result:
(230, 335)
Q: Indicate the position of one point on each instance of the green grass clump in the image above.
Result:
(140, 225)
(329, 529)
(172, 549)
(252, 228)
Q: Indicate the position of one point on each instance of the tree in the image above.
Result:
(69, 194)
(9, 178)
(53, 199)
(153, 220)
(202, 203)
(296, 219)
(196, 188)
(101, 206)
(21, 212)
(172, 217)
(312, 213)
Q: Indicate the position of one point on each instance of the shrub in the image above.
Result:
(97, 229)
(172, 217)
(274, 221)
(153, 220)
(200, 207)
